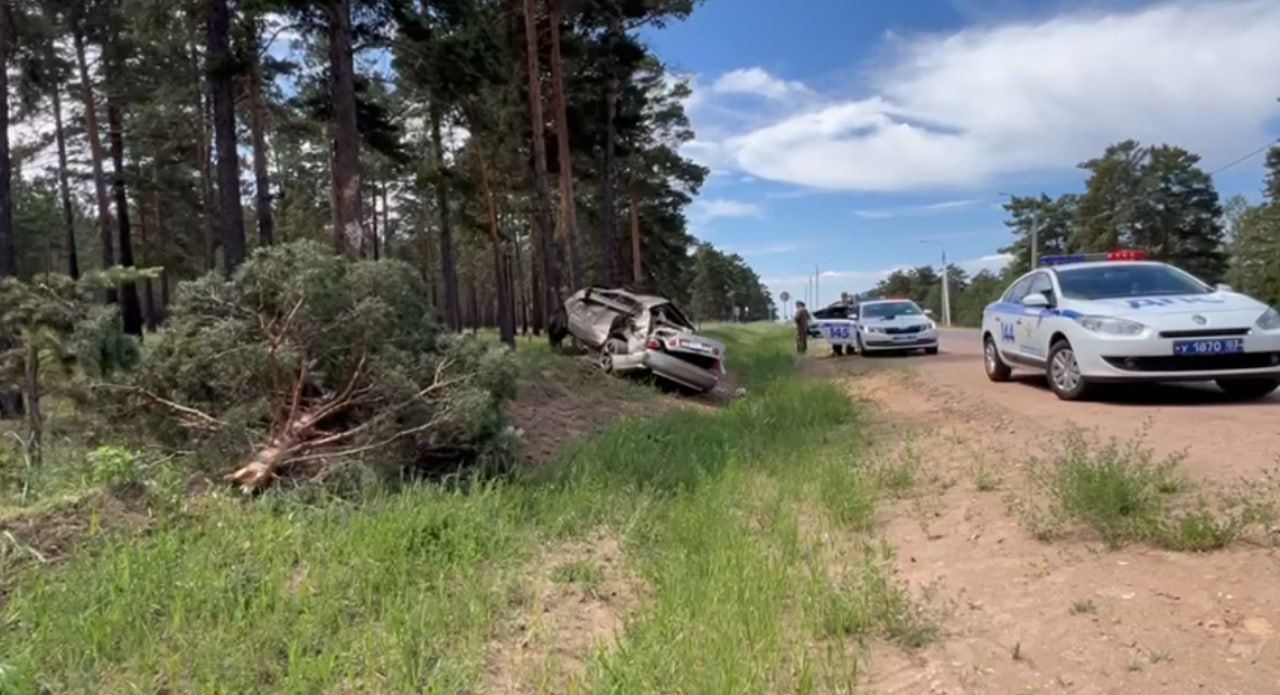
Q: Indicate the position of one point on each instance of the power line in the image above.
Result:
(1247, 156)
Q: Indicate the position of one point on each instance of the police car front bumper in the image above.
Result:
(872, 342)
(1153, 359)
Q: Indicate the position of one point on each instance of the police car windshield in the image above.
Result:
(887, 309)
(1124, 280)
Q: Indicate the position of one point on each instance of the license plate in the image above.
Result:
(695, 345)
(1224, 346)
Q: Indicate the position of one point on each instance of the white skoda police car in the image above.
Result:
(1115, 317)
(895, 324)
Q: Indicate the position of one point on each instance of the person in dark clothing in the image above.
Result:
(802, 327)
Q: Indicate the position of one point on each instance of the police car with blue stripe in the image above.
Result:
(1086, 319)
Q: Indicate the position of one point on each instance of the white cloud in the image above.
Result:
(709, 209)
(758, 82)
(994, 263)
(961, 110)
(915, 210)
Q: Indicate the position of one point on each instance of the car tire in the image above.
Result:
(837, 350)
(607, 351)
(1063, 373)
(1248, 389)
(995, 365)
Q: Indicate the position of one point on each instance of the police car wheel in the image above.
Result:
(997, 370)
(1064, 373)
(1248, 388)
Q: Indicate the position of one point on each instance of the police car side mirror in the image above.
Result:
(1036, 301)
(928, 312)
(1223, 287)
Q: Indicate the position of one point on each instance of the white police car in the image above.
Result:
(1092, 318)
(895, 324)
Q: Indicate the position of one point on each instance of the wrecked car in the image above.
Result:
(636, 333)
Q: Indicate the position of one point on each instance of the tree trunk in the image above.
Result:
(568, 205)
(35, 420)
(608, 203)
(8, 251)
(506, 319)
(221, 90)
(130, 307)
(448, 271)
(95, 154)
(373, 223)
(148, 286)
(64, 188)
(347, 215)
(203, 147)
(162, 242)
(542, 205)
(386, 221)
(258, 131)
(637, 268)
(10, 401)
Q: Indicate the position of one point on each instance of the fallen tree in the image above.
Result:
(303, 363)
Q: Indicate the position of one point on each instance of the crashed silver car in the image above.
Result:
(643, 333)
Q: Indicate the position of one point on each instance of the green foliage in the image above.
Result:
(298, 333)
(1125, 495)
(410, 590)
(722, 282)
(114, 466)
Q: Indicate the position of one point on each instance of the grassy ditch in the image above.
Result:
(745, 527)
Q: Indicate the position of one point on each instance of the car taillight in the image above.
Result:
(715, 351)
(653, 344)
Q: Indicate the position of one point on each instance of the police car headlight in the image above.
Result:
(1270, 320)
(1110, 326)
(872, 329)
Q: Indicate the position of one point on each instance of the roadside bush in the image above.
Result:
(308, 364)
(1124, 494)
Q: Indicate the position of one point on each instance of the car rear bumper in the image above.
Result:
(681, 372)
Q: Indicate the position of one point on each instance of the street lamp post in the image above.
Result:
(946, 284)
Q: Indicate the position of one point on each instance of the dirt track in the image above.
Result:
(1160, 621)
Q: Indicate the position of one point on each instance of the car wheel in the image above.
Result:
(1248, 389)
(607, 351)
(837, 350)
(931, 351)
(1064, 373)
(997, 370)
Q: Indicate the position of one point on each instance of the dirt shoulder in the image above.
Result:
(1021, 615)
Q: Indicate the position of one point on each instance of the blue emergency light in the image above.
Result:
(1123, 255)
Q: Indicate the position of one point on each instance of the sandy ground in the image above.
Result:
(1146, 620)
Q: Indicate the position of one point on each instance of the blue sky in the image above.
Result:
(858, 135)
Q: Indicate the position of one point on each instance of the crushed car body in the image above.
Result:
(632, 332)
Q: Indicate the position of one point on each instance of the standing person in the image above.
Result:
(802, 327)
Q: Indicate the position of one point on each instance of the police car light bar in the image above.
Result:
(1122, 255)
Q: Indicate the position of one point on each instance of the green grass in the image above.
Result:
(582, 572)
(1124, 494)
(745, 527)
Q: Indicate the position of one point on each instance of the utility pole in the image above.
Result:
(1035, 241)
(946, 291)
(946, 284)
(816, 299)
